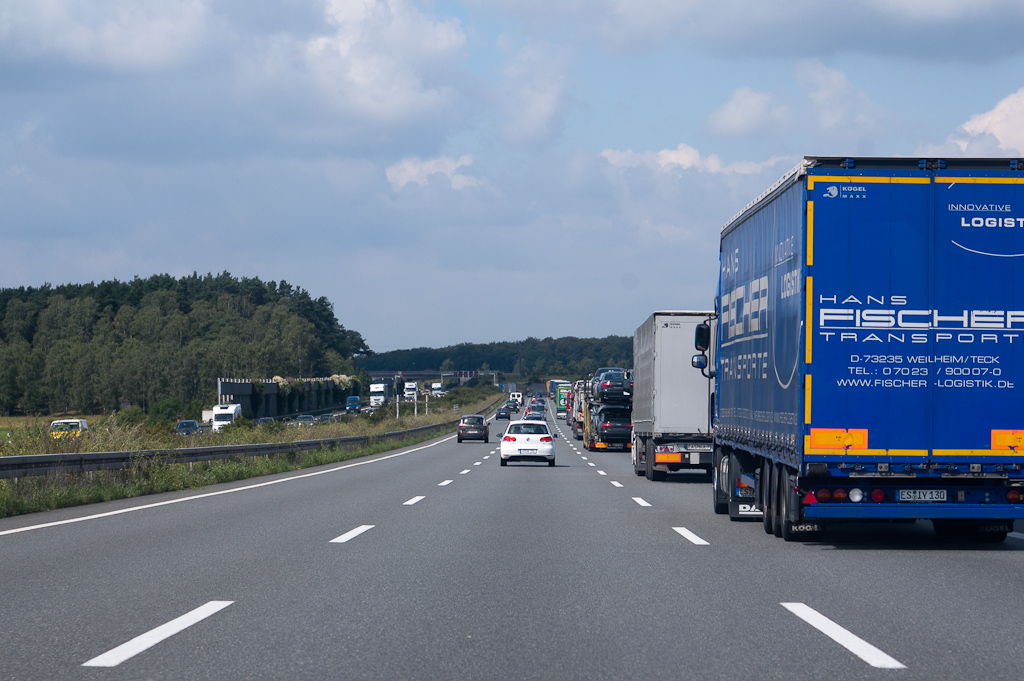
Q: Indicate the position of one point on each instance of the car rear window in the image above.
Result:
(615, 415)
(528, 429)
(472, 421)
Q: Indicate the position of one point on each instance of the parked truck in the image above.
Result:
(870, 345)
(671, 414)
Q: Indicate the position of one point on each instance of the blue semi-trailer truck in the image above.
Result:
(868, 361)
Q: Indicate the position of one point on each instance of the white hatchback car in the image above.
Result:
(528, 441)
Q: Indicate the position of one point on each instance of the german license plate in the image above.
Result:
(922, 495)
(527, 451)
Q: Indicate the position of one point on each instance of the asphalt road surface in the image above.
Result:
(434, 562)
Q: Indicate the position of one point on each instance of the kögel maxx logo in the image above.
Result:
(844, 191)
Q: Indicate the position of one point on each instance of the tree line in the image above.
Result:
(92, 347)
(532, 358)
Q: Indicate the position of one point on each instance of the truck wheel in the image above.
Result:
(502, 461)
(721, 506)
(653, 475)
(767, 494)
(778, 475)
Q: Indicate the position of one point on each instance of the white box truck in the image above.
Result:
(671, 418)
(379, 394)
(412, 389)
(224, 414)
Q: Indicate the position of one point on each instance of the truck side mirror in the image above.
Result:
(702, 338)
(700, 362)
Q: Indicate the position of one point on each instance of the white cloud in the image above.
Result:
(748, 112)
(418, 171)
(384, 58)
(808, 28)
(121, 35)
(997, 132)
(845, 117)
(533, 94)
(685, 157)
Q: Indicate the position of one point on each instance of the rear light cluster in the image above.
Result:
(606, 384)
(508, 438)
(856, 495)
(546, 439)
(1013, 496)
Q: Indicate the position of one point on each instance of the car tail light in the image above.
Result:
(508, 438)
(824, 494)
(546, 439)
(878, 496)
(839, 495)
(606, 384)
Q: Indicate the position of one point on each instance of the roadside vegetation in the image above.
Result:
(124, 433)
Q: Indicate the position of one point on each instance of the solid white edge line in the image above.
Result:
(218, 493)
(690, 536)
(446, 482)
(640, 501)
(414, 500)
(143, 642)
(856, 645)
(351, 534)
(616, 483)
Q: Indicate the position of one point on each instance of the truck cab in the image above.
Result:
(225, 414)
(352, 404)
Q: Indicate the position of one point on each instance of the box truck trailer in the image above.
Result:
(870, 347)
(671, 415)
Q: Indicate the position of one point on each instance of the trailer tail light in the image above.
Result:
(839, 495)
(877, 496)
(546, 439)
(824, 494)
(508, 438)
(856, 495)
(1013, 496)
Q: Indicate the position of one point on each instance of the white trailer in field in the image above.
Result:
(671, 418)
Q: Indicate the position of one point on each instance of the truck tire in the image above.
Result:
(786, 494)
(767, 494)
(778, 475)
(721, 505)
(652, 475)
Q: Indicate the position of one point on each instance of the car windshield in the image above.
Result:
(528, 429)
(472, 421)
(615, 415)
(222, 417)
(613, 375)
(62, 426)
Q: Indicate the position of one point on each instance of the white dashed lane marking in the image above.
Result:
(856, 645)
(414, 500)
(690, 536)
(616, 483)
(477, 463)
(640, 501)
(463, 472)
(446, 482)
(144, 642)
(351, 534)
(486, 457)
(591, 463)
(601, 473)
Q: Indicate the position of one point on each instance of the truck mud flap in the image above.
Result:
(745, 509)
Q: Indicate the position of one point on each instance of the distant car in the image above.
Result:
(535, 416)
(188, 427)
(305, 420)
(474, 427)
(596, 378)
(503, 413)
(512, 406)
(527, 441)
(264, 421)
(325, 418)
(63, 428)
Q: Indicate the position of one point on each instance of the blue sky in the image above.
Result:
(472, 171)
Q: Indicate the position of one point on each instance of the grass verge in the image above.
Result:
(49, 492)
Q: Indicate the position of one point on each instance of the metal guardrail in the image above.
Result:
(44, 464)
